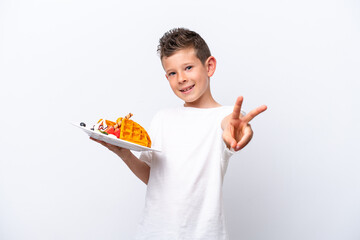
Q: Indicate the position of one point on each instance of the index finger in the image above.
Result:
(248, 117)
(237, 108)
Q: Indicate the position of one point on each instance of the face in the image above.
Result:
(189, 78)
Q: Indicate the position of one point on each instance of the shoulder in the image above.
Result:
(164, 113)
(225, 111)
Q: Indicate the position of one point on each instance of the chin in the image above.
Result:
(189, 100)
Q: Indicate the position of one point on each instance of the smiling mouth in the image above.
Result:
(187, 89)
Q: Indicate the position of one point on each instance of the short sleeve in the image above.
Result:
(147, 156)
(226, 154)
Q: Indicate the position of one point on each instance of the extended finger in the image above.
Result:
(248, 117)
(237, 108)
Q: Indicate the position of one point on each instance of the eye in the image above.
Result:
(188, 68)
(171, 74)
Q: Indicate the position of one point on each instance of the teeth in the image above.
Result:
(186, 89)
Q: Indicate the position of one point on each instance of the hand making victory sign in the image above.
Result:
(237, 132)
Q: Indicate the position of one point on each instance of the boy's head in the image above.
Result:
(180, 38)
(188, 66)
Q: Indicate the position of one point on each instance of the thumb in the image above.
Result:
(229, 140)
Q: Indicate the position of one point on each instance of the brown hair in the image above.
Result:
(181, 38)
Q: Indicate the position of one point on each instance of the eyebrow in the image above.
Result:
(169, 70)
(184, 64)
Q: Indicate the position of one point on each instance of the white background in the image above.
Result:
(63, 61)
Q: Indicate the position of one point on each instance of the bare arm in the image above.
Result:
(138, 167)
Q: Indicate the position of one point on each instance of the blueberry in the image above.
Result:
(82, 124)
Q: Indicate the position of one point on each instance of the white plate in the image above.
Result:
(114, 141)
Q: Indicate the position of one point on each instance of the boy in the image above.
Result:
(184, 180)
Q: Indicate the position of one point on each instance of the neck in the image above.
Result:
(209, 102)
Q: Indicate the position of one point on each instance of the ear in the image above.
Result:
(166, 76)
(210, 65)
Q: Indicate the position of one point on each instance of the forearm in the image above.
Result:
(138, 167)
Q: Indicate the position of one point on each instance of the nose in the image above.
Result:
(182, 77)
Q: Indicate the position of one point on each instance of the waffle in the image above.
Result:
(125, 129)
(133, 132)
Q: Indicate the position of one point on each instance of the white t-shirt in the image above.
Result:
(184, 192)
